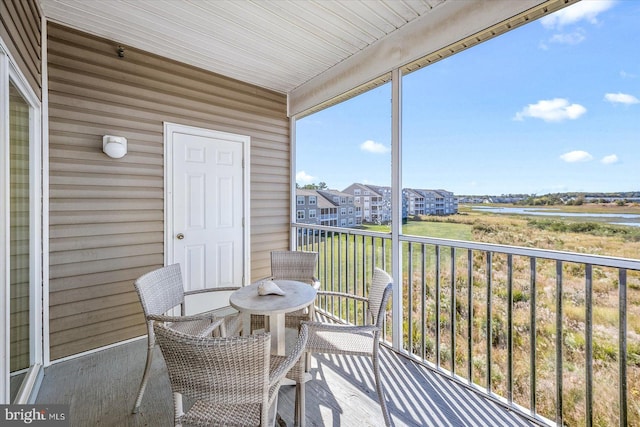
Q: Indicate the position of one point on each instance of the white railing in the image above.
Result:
(542, 332)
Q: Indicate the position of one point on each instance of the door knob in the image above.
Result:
(180, 236)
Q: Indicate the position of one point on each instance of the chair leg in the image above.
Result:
(178, 411)
(383, 403)
(271, 413)
(300, 404)
(147, 369)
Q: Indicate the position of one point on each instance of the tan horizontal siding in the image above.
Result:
(93, 311)
(106, 215)
(20, 31)
(95, 292)
(99, 282)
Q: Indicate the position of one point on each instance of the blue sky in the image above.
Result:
(552, 106)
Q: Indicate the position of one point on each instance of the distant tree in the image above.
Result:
(313, 186)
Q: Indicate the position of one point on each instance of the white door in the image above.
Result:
(207, 205)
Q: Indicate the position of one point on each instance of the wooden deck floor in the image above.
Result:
(101, 388)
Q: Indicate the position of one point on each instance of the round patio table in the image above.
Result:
(246, 300)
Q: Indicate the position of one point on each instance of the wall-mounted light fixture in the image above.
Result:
(114, 146)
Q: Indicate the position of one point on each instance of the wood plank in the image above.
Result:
(90, 267)
(83, 343)
(91, 292)
(72, 315)
(101, 280)
(107, 241)
(94, 254)
(138, 63)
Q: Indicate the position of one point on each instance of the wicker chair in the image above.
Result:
(161, 290)
(363, 340)
(231, 381)
(292, 265)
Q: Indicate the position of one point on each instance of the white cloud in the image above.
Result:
(552, 110)
(575, 37)
(626, 75)
(304, 178)
(610, 159)
(582, 11)
(576, 156)
(621, 98)
(373, 147)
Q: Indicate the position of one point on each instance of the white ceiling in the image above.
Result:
(273, 44)
(315, 51)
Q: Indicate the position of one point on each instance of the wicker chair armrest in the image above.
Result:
(202, 291)
(201, 316)
(283, 368)
(342, 295)
(337, 327)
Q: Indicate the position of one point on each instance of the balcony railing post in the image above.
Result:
(423, 302)
(533, 334)
(559, 342)
(510, 328)
(588, 344)
(453, 311)
(622, 295)
(437, 297)
(410, 297)
(470, 315)
(489, 323)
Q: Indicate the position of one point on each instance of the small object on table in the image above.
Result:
(269, 287)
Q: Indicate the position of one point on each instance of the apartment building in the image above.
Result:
(415, 202)
(360, 203)
(370, 203)
(326, 207)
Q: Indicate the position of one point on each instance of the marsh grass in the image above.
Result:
(588, 238)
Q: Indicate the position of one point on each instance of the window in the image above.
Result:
(300, 200)
(350, 211)
(312, 200)
(312, 213)
(356, 192)
(20, 201)
(343, 211)
(300, 214)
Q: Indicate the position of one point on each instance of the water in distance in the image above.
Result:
(630, 219)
